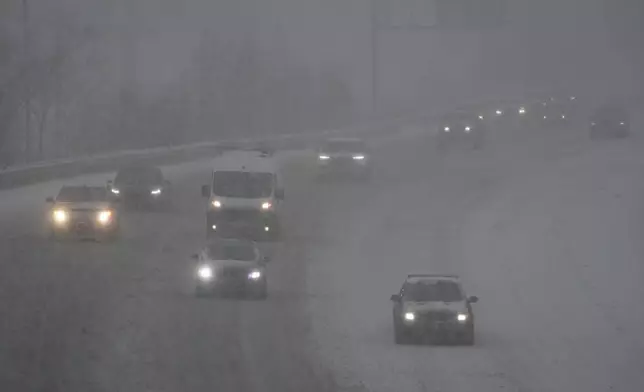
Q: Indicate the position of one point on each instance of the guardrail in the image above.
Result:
(24, 175)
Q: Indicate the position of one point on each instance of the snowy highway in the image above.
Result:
(544, 228)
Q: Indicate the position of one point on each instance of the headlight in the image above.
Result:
(324, 157)
(358, 157)
(266, 206)
(499, 112)
(156, 191)
(480, 117)
(563, 116)
(216, 203)
(104, 217)
(462, 317)
(573, 98)
(115, 191)
(205, 272)
(622, 123)
(521, 110)
(467, 129)
(446, 129)
(409, 316)
(60, 216)
(255, 274)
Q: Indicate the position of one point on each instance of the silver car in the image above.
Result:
(231, 267)
(433, 306)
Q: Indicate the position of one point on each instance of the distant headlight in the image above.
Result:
(593, 124)
(104, 217)
(462, 317)
(205, 272)
(446, 129)
(480, 117)
(216, 203)
(156, 191)
(266, 206)
(409, 316)
(499, 112)
(467, 129)
(522, 110)
(115, 191)
(60, 216)
(324, 157)
(255, 274)
(563, 116)
(622, 123)
(358, 157)
(573, 98)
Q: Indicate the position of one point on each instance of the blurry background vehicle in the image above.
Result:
(344, 157)
(141, 186)
(461, 129)
(610, 121)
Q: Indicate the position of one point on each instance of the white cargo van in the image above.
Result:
(245, 196)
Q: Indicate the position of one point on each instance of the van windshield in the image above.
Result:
(247, 185)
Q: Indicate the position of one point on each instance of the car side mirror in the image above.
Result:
(279, 194)
(49, 199)
(194, 256)
(205, 191)
(473, 299)
(266, 259)
(395, 298)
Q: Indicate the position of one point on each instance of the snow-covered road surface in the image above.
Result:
(544, 228)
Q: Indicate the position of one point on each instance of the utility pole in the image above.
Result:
(374, 55)
(26, 42)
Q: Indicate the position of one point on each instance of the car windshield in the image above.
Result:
(344, 146)
(227, 251)
(249, 185)
(433, 291)
(81, 194)
(139, 175)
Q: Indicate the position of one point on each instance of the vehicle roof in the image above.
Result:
(251, 161)
(416, 278)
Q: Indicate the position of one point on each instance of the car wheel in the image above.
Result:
(468, 337)
(262, 292)
(400, 337)
(202, 292)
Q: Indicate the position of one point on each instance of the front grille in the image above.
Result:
(236, 215)
(234, 273)
(438, 317)
(83, 209)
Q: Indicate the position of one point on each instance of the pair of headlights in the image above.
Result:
(207, 273)
(265, 205)
(153, 192)
(411, 317)
(467, 129)
(61, 216)
(355, 157)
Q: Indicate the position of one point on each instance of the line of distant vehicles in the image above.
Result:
(468, 127)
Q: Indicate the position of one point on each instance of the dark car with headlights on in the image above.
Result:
(433, 306)
(611, 121)
(231, 267)
(347, 157)
(83, 212)
(464, 129)
(140, 185)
